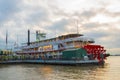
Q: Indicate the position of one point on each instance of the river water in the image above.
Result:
(109, 71)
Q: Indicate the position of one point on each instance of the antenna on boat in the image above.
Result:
(55, 33)
(17, 40)
(77, 27)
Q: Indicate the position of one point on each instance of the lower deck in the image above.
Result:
(60, 62)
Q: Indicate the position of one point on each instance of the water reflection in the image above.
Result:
(109, 71)
(49, 72)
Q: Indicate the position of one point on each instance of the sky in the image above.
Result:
(97, 19)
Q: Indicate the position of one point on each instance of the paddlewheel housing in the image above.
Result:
(96, 52)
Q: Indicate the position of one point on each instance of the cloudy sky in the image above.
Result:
(98, 19)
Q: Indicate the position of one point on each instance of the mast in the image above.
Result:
(77, 27)
(6, 39)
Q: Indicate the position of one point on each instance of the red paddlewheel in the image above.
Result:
(97, 51)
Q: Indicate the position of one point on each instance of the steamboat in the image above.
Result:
(65, 49)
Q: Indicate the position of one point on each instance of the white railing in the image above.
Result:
(58, 41)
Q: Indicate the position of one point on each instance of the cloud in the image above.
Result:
(8, 9)
(36, 16)
(59, 24)
(107, 37)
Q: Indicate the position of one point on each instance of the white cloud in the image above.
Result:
(104, 19)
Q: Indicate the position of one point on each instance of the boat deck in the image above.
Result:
(67, 62)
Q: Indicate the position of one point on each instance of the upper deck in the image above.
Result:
(57, 40)
(62, 37)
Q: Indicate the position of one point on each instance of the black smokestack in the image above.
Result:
(28, 37)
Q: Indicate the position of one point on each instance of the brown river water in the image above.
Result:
(109, 71)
